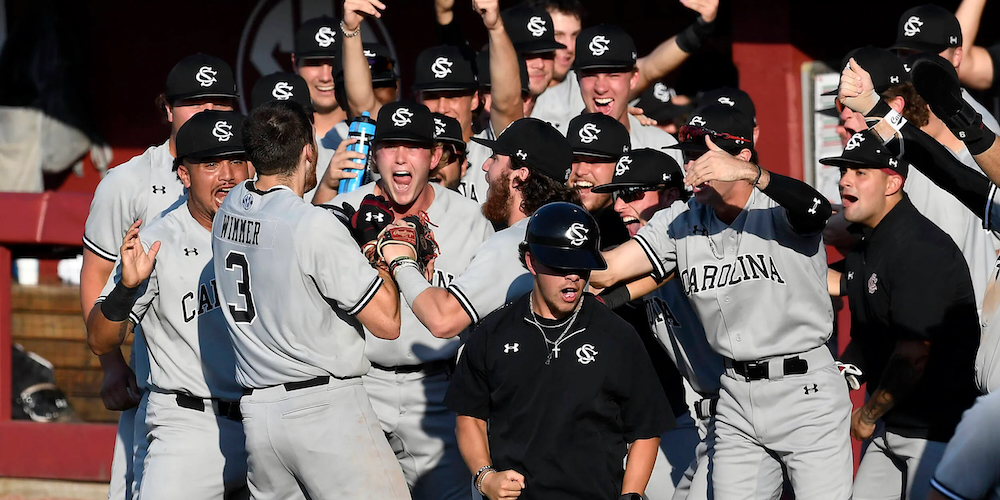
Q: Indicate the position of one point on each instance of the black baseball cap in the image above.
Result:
(200, 75)
(318, 37)
(885, 68)
(530, 30)
(644, 168)
(483, 65)
(604, 46)
(281, 86)
(599, 136)
(442, 68)
(865, 150)
(536, 144)
(210, 134)
(729, 128)
(734, 98)
(448, 131)
(657, 102)
(405, 121)
(927, 28)
(381, 64)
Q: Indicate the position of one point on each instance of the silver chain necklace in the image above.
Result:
(554, 350)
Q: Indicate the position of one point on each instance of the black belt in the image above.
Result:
(428, 367)
(758, 370)
(228, 409)
(292, 386)
(705, 408)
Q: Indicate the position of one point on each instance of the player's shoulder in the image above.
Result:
(455, 205)
(509, 314)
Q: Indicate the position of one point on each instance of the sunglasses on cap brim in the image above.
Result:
(631, 194)
(693, 133)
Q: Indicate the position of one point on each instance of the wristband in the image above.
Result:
(895, 120)
(695, 35)
(400, 261)
(615, 297)
(475, 480)
(118, 303)
(759, 173)
(411, 282)
(349, 34)
(482, 477)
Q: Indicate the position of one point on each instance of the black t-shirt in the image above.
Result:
(564, 425)
(907, 280)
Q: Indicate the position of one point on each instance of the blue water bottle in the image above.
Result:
(362, 129)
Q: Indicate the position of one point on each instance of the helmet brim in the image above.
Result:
(582, 259)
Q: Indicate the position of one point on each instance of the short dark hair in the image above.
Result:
(274, 134)
(539, 190)
(573, 7)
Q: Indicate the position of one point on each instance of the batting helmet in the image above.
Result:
(562, 235)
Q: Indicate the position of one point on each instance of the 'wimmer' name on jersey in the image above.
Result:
(239, 230)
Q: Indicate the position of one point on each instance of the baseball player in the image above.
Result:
(295, 291)
(192, 428)
(914, 329)
(748, 245)
(453, 163)
(563, 384)
(663, 104)
(970, 463)
(606, 68)
(646, 182)
(281, 86)
(142, 188)
(409, 376)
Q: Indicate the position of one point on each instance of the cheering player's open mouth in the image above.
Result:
(570, 293)
(631, 224)
(604, 104)
(220, 194)
(401, 180)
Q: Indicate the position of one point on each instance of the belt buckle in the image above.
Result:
(751, 367)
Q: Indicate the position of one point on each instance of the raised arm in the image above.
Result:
(357, 74)
(504, 74)
(976, 70)
(670, 54)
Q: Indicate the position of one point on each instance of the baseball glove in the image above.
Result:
(415, 232)
(373, 215)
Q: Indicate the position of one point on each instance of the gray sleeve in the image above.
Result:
(658, 244)
(330, 256)
(489, 281)
(144, 297)
(115, 207)
(970, 467)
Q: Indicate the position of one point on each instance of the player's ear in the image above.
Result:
(633, 80)
(436, 153)
(897, 103)
(745, 154)
(893, 184)
(184, 174)
(474, 104)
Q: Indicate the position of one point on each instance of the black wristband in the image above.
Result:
(695, 35)
(118, 303)
(616, 296)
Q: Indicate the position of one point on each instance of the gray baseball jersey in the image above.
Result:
(988, 356)
(495, 276)
(459, 228)
(473, 184)
(677, 326)
(560, 103)
(178, 309)
(758, 286)
(291, 278)
(970, 467)
(988, 119)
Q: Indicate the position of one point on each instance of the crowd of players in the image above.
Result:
(272, 360)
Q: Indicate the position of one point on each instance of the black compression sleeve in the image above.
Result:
(941, 167)
(807, 210)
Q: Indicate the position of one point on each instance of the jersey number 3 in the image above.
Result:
(247, 315)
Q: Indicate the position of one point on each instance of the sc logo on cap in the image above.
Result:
(697, 120)
(402, 117)
(588, 133)
(854, 142)
(623, 165)
(577, 234)
(324, 36)
(438, 127)
(282, 91)
(912, 26)
(223, 131)
(441, 67)
(206, 76)
(536, 26)
(663, 93)
(599, 45)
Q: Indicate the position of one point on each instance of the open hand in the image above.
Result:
(718, 165)
(137, 264)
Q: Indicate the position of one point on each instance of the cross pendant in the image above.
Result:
(555, 352)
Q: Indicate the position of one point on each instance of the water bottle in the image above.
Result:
(362, 129)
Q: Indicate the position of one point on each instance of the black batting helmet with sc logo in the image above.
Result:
(564, 236)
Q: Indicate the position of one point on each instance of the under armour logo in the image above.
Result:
(873, 284)
(727, 101)
(663, 93)
(521, 154)
(816, 202)
(206, 76)
(190, 251)
(577, 234)
(438, 127)
(402, 117)
(697, 121)
(510, 347)
(282, 91)
(441, 67)
(247, 201)
(622, 166)
(850, 275)
(536, 26)
(893, 79)
(325, 36)
(586, 354)
(159, 189)
(700, 230)
(814, 389)
(906, 67)
(854, 142)
(599, 45)
(893, 163)
(666, 177)
(953, 40)
(223, 131)
(588, 133)
(912, 26)
(376, 216)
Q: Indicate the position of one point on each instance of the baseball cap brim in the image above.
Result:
(608, 66)
(444, 87)
(494, 145)
(457, 143)
(594, 155)
(829, 93)
(201, 95)
(538, 47)
(564, 258)
(211, 154)
(317, 55)
(918, 46)
(831, 112)
(399, 136)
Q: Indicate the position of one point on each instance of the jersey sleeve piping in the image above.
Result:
(465, 303)
(367, 297)
(658, 270)
(945, 491)
(989, 206)
(100, 252)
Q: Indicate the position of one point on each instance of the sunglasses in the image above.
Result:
(692, 133)
(631, 194)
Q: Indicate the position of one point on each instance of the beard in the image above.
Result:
(497, 206)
